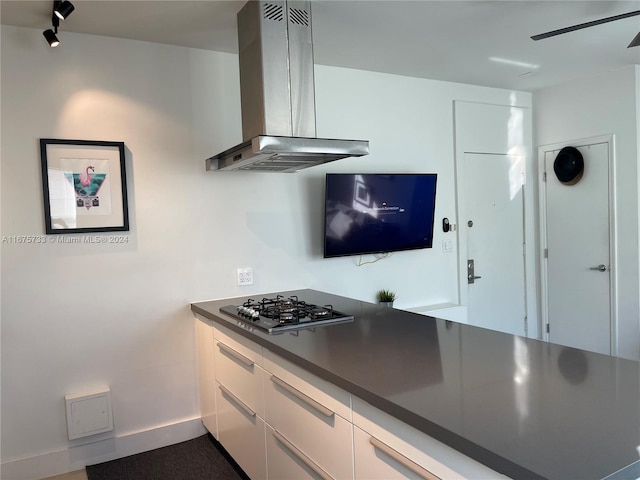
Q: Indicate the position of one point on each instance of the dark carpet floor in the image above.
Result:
(198, 459)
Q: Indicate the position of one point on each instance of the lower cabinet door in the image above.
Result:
(241, 432)
(286, 461)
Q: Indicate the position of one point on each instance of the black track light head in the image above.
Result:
(51, 34)
(63, 9)
(51, 38)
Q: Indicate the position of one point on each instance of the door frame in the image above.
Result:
(542, 197)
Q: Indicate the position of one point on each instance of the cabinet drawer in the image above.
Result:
(241, 431)
(375, 460)
(323, 435)
(286, 461)
(392, 436)
(326, 393)
(238, 343)
(240, 375)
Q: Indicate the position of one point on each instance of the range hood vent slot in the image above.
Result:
(278, 94)
(273, 12)
(299, 17)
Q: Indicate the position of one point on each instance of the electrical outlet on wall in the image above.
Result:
(244, 276)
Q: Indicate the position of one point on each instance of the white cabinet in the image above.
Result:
(206, 375)
(386, 448)
(281, 422)
(310, 421)
(239, 400)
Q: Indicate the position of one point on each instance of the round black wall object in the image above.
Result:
(569, 166)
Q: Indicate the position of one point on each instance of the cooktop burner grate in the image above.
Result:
(284, 313)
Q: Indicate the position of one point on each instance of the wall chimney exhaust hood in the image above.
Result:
(277, 94)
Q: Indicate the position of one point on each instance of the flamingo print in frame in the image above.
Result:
(84, 186)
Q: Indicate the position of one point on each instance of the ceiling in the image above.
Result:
(445, 40)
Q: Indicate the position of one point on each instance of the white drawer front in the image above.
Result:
(242, 434)
(316, 430)
(427, 452)
(286, 461)
(374, 460)
(328, 394)
(240, 375)
(238, 343)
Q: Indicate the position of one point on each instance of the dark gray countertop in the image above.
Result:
(525, 408)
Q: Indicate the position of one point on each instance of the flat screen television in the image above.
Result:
(377, 213)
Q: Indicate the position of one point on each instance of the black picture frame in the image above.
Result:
(84, 186)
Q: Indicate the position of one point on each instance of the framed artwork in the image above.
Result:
(84, 186)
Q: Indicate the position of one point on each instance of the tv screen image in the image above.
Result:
(378, 213)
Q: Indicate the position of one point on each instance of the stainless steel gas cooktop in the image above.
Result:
(284, 313)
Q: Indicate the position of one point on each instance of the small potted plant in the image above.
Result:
(386, 297)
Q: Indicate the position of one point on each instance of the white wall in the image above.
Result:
(409, 123)
(590, 107)
(79, 316)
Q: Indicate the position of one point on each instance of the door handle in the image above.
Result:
(238, 356)
(600, 268)
(302, 397)
(471, 276)
(237, 401)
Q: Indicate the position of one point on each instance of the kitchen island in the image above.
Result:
(522, 407)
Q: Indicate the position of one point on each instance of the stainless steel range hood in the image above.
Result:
(277, 94)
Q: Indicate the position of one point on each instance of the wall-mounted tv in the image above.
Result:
(377, 213)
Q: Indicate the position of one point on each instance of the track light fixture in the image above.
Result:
(63, 9)
(50, 34)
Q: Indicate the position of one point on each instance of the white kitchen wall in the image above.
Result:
(79, 316)
(590, 107)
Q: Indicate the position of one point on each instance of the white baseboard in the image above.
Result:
(79, 456)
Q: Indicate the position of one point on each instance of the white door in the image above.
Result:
(578, 264)
(494, 223)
